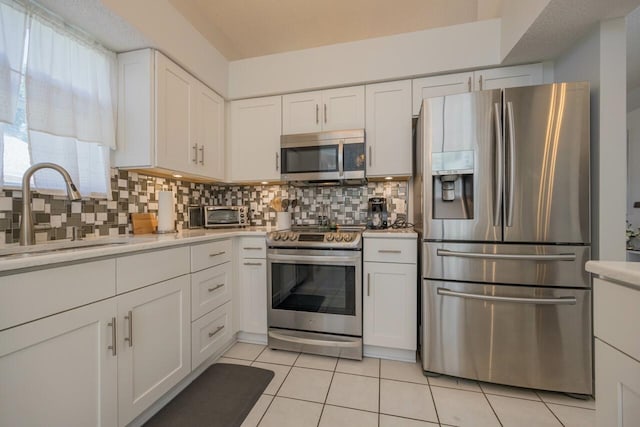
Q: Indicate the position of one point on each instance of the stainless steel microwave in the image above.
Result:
(335, 156)
(226, 216)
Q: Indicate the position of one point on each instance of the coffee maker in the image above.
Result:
(377, 214)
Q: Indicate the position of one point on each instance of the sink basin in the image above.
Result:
(45, 248)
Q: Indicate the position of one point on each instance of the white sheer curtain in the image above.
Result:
(12, 32)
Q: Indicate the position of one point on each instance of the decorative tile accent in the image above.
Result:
(132, 192)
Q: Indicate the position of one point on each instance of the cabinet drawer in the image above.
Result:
(28, 296)
(209, 254)
(209, 334)
(136, 271)
(210, 288)
(616, 316)
(253, 247)
(402, 251)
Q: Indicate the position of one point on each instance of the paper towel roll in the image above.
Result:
(166, 212)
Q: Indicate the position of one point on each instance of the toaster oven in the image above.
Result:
(225, 216)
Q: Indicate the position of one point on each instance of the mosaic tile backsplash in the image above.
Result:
(55, 216)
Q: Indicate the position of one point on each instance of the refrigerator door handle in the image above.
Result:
(521, 257)
(512, 166)
(499, 171)
(517, 300)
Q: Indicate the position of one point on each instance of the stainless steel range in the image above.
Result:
(315, 291)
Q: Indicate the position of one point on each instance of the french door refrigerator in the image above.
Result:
(502, 192)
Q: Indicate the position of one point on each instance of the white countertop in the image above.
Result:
(132, 244)
(391, 233)
(622, 271)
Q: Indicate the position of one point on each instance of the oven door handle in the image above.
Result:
(324, 259)
(314, 341)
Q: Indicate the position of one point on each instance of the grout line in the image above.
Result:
(490, 405)
(326, 396)
(552, 413)
(278, 390)
(433, 400)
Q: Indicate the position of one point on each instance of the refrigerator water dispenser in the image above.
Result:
(452, 178)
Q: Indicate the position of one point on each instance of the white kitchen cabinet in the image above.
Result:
(210, 334)
(331, 109)
(389, 308)
(250, 297)
(494, 78)
(388, 129)
(254, 140)
(154, 348)
(168, 120)
(61, 370)
(448, 84)
(505, 77)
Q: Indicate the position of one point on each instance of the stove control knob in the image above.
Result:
(285, 237)
(348, 237)
(339, 237)
(276, 236)
(330, 237)
(292, 236)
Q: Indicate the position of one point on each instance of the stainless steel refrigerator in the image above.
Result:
(502, 192)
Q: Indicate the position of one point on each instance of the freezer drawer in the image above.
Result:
(536, 265)
(515, 335)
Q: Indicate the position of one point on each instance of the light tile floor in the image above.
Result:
(319, 391)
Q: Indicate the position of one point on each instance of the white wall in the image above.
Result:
(600, 58)
(171, 33)
(633, 126)
(438, 50)
(633, 99)
(517, 17)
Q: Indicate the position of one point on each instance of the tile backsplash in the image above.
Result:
(55, 216)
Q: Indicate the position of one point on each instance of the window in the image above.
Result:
(58, 88)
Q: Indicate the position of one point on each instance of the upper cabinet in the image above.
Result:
(495, 78)
(388, 129)
(254, 139)
(333, 109)
(167, 119)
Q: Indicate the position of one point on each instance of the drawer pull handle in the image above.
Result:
(252, 248)
(112, 347)
(129, 318)
(252, 263)
(218, 329)
(217, 253)
(368, 284)
(216, 287)
(389, 251)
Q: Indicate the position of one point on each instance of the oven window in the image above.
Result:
(222, 216)
(314, 288)
(310, 159)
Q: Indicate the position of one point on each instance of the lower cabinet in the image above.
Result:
(154, 351)
(61, 370)
(210, 333)
(390, 305)
(252, 286)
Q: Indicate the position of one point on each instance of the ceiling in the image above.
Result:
(248, 28)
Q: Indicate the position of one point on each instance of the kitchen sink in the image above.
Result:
(52, 247)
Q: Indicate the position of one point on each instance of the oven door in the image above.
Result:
(315, 290)
(220, 217)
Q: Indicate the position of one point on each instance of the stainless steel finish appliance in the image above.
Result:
(377, 214)
(315, 292)
(503, 197)
(323, 157)
(226, 216)
(196, 216)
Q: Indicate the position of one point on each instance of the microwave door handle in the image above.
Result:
(341, 157)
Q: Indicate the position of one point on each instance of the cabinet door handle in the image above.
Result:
(480, 81)
(277, 161)
(325, 113)
(368, 284)
(317, 114)
(112, 347)
(195, 153)
(252, 263)
(217, 253)
(250, 248)
(218, 329)
(389, 251)
(129, 318)
(370, 157)
(469, 84)
(202, 154)
(215, 287)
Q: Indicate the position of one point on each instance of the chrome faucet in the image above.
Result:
(27, 237)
